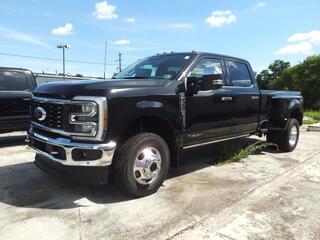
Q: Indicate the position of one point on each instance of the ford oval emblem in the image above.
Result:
(40, 113)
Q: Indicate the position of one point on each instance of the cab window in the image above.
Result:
(13, 81)
(206, 66)
(239, 74)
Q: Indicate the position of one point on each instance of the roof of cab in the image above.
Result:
(204, 54)
(13, 69)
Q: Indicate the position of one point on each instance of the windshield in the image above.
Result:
(156, 67)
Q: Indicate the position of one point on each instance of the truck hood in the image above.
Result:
(94, 87)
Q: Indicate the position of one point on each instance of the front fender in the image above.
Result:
(124, 112)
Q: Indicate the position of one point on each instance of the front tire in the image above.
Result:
(141, 164)
(287, 139)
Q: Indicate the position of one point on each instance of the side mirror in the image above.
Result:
(211, 82)
(205, 83)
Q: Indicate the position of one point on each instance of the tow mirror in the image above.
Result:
(204, 83)
(211, 82)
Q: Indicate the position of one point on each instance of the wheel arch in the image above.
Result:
(157, 124)
(296, 111)
(286, 109)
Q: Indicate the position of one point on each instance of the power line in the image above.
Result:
(54, 59)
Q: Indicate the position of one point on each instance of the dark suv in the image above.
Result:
(16, 86)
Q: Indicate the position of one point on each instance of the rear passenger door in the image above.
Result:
(245, 97)
(15, 97)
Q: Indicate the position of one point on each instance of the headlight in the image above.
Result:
(89, 108)
(88, 128)
(87, 117)
(84, 118)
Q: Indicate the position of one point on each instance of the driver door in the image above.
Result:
(208, 113)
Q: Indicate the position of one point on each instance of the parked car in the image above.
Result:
(137, 123)
(16, 86)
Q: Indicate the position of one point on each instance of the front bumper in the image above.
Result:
(83, 175)
(62, 150)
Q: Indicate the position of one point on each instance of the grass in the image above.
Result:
(235, 151)
(314, 115)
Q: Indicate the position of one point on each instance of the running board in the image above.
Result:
(215, 141)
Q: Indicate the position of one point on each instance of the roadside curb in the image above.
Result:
(314, 127)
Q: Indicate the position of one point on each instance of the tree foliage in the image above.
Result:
(304, 77)
(274, 71)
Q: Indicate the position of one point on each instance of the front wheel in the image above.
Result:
(141, 164)
(287, 139)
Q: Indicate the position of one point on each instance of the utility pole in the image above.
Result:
(120, 61)
(63, 46)
(64, 63)
(105, 59)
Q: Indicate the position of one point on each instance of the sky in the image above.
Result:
(259, 31)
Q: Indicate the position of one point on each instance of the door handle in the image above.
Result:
(255, 97)
(26, 99)
(226, 99)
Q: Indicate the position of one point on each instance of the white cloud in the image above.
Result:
(130, 20)
(181, 26)
(258, 6)
(303, 47)
(313, 37)
(121, 42)
(301, 43)
(219, 18)
(104, 10)
(63, 30)
(15, 35)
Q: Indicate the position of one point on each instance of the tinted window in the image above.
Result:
(156, 67)
(12, 81)
(239, 74)
(206, 66)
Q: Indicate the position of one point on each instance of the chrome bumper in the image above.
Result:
(107, 150)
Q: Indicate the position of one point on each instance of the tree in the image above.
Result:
(274, 71)
(283, 82)
(263, 79)
(277, 67)
(306, 78)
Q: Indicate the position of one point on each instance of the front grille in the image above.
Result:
(51, 117)
(56, 116)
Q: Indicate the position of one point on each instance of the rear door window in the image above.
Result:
(239, 74)
(13, 81)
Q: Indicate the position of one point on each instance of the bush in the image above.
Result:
(315, 115)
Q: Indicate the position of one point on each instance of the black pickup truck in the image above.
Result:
(16, 86)
(138, 122)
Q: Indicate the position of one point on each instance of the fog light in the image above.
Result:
(86, 154)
